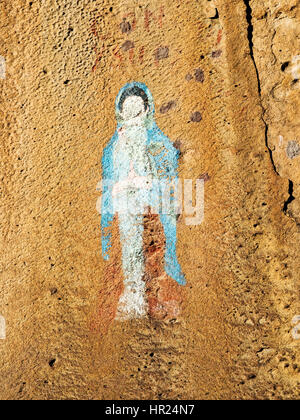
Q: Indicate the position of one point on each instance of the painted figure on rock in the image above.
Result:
(139, 165)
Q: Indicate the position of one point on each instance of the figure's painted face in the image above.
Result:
(133, 106)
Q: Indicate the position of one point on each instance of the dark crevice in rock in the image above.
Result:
(285, 65)
(267, 145)
(216, 15)
(250, 39)
(291, 197)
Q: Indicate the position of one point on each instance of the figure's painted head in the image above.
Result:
(134, 100)
(133, 103)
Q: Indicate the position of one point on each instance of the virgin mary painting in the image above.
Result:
(138, 164)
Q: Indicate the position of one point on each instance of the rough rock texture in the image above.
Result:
(224, 75)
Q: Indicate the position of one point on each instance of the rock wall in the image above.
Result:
(224, 76)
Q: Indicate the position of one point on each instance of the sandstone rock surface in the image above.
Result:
(225, 79)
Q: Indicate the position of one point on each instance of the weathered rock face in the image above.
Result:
(276, 35)
(224, 76)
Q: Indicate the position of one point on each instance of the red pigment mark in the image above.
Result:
(219, 36)
(205, 177)
(161, 16)
(147, 19)
(107, 304)
(99, 55)
(131, 55)
(201, 26)
(165, 296)
(112, 288)
(141, 55)
(94, 29)
(164, 299)
(117, 54)
(149, 15)
(174, 62)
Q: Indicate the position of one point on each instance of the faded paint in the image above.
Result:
(242, 264)
(199, 75)
(296, 329)
(2, 328)
(136, 158)
(2, 67)
(196, 116)
(295, 70)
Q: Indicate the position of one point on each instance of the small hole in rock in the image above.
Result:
(216, 15)
(284, 65)
(52, 362)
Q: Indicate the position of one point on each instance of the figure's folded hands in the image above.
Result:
(133, 181)
(137, 181)
(141, 182)
(119, 187)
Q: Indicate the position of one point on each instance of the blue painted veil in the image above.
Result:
(164, 157)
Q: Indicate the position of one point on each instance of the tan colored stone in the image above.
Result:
(64, 67)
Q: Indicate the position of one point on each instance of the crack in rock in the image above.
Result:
(290, 199)
(250, 39)
(292, 150)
